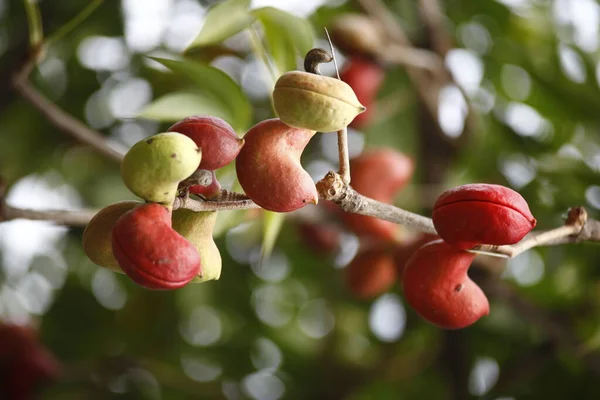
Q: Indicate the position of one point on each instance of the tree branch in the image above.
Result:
(333, 188)
(434, 20)
(79, 218)
(57, 116)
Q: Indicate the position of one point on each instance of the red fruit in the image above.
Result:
(480, 213)
(437, 286)
(371, 273)
(217, 139)
(365, 77)
(150, 252)
(322, 238)
(24, 363)
(378, 174)
(209, 186)
(269, 169)
(404, 251)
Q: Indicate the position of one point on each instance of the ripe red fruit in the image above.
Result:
(150, 252)
(215, 137)
(404, 251)
(269, 169)
(379, 174)
(370, 273)
(437, 286)
(480, 213)
(24, 363)
(365, 78)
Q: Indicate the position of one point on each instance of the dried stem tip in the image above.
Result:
(315, 57)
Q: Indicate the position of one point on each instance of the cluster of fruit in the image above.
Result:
(433, 272)
(159, 248)
(162, 248)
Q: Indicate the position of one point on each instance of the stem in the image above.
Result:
(573, 230)
(333, 188)
(34, 21)
(315, 57)
(74, 22)
(78, 218)
(344, 155)
(59, 118)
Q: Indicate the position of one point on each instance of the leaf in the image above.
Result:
(222, 21)
(288, 37)
(216, 86)
(178, 105)
(272, 223)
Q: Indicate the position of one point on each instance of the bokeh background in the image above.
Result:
(288, 328)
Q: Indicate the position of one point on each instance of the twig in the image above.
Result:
(333, 188)
(342, 136)
(58, 117)
(427, 88)
(75, 21)
(412, 57)
(433, 18)
(574, 227)
(61, 217)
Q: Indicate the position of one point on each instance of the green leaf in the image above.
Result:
(223, 21)
(178, 105)
(288, 37)
(272, 223)
(218, 87)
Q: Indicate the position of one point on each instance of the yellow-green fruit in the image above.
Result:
(315, 102)
(197, 227)
(97, 237)
(153, 167)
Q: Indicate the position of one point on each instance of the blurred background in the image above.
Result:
(517, 104)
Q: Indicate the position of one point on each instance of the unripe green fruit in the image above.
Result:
(97, 237)
(153, 167)
(197, 228)
(315, 102)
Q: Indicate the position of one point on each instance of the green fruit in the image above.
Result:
(197, 228)
(153, 167)
(315, 102)
(97, 237)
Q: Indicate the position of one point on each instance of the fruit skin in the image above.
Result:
(437, 286)
(315, 102)
(269, 169)
(481, 213)
(210, 187)
(97, 237)
(365, 77)
(379, 174)
(150, 252)
(25, 364)
(357, 34)
(153, 167)
(370, 273)
(404, 251)
(197, 228)
(215, 137)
